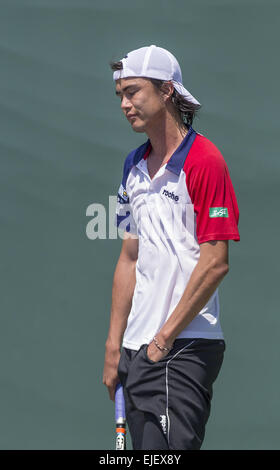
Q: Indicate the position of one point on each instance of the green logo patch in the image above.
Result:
(218, 212)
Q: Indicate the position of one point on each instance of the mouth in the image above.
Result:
(131, 116)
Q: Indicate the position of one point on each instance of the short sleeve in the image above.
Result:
(212, 194)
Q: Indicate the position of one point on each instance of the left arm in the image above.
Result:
(211, 268)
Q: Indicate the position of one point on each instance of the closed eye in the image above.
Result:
(128, 93)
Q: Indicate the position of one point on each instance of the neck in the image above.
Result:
(165, 136)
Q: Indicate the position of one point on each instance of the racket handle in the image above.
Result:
(120, 418)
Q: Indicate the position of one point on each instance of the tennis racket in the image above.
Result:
(120, 418)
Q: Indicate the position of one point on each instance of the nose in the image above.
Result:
(125, 104)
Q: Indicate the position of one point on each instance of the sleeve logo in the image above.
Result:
(218, 212)
(122, 195)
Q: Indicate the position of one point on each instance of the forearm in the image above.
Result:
(122, 292)
(203, 282)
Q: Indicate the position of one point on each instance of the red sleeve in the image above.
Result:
(212, 193)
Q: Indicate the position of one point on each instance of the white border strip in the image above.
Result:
(166, 385)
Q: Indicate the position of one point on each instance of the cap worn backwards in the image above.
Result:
(154, 62)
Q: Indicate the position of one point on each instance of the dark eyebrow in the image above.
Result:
(125, 88)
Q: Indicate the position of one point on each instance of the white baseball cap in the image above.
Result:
(154, 62)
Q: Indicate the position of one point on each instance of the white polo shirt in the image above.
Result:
(190, 200)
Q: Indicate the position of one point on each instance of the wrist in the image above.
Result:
(112, 346)
(162, 341)
(161, 348)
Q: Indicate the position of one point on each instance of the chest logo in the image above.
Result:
(171, 195)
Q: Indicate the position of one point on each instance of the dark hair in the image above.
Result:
(186, 109)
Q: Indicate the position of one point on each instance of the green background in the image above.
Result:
(63, 140)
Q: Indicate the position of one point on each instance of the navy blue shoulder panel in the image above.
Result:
(132, 159)
(177, 160)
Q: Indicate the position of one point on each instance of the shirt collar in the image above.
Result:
(176, 161)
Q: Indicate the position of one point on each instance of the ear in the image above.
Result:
(167, 90)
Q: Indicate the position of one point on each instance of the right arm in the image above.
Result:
(122, 292)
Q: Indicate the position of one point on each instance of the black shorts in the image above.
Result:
(168, 402)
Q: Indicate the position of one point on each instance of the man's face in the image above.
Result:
(141, 102)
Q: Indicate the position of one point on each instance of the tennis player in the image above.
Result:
(177, 207)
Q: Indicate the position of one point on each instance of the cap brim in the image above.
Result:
(183, 91)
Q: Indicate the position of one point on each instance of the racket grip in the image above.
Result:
(120, 418)
(119, 403)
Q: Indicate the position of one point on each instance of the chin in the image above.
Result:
(138, 128)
